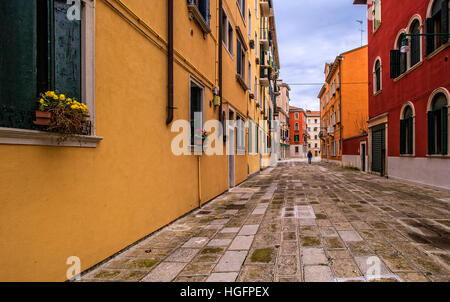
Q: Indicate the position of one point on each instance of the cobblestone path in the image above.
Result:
(297, 222)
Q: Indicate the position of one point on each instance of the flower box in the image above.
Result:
(43, 118)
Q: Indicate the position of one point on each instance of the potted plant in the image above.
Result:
(65, 116)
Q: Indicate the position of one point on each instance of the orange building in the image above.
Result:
(344, 103)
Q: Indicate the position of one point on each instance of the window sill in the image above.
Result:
(11, 136)
(408, 71)
(195, 14)
(241, 82)
(407, 155)
(437, 156)
(378, 92)
(438, 50)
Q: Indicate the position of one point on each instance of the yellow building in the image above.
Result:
(139, 66)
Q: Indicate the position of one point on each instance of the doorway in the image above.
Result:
(363, 157)
(378, 149)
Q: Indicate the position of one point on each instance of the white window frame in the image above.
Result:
(13, 136)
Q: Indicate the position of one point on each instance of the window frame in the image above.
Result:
(375, 27)
(15, 136)
(430, 104)
(199, 84)
(377, 81)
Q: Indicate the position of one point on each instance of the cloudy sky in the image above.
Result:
(310, 33)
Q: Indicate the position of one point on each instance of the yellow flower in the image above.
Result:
(41, 101)
(55, 97)
(73, 107)
(48, 93)
(62, 97)
(69, 100)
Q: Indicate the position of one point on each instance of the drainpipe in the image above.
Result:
(340, 109)
(170, 106)
(220, 60)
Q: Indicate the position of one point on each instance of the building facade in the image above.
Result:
(313, 130)
(409, 90)
(143, 68)
(344, 104)
(298, 136)
(282, 117)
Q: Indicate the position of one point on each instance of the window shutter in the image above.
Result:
(444, 133)
(411, 135)
(67, 49)
(395, 63)
(250, 137)
(429, 27)
(402, 136)
(431, 143)
(18, 72)
(238, 56)
(444, 21)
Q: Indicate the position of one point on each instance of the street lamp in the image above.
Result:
(405, 42)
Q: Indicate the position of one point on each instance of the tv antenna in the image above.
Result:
(361, 30)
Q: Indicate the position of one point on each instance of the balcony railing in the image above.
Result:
(264, 76)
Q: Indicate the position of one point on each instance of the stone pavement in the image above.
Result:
(295, 223)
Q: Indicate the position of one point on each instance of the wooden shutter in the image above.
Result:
(431, 143)
(411, 135)
(444, 131)
(402, 136)
(250, 137)
(18, 72)
(429, 28)
(67, 51)
(444, 21)
(238, 56)
(395, 63)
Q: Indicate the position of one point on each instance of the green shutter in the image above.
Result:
(431, 143)
(18, 72)
(444, 21)
(402, 136)
(395, 63)
(67, 51)
(250, 138)
(444, 133)
(411, 135)
(429, 27)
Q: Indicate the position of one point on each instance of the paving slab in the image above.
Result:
(231, 261)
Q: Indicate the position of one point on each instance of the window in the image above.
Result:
(415, 52)
(438, 22)
(203, 8)
(36, 59)
(377, 76)
(249, 75)
(315, 121)
(376, 15)
(240, 58)
(241, 6)
(438, 125)
(196, 113)
(250, 137)
(240, 135)
(309, 129)
(296, 138)
(228, 33)
(256, 89)
(296, 116)
(249, 24)
(398, 59)
(296, 126)
(315, 128)
(315, 145)
(407, 131)
(296, 149)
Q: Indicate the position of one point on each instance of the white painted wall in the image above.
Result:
(301, 153)
(429, 171)
(353, 161)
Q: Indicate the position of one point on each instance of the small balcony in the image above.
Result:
(330, 130)
(264, 76)
(266, 8)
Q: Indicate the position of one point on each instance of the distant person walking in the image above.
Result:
(310, 157)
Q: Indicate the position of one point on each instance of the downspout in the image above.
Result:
(340, 110)
(220, 61)
(170, 106)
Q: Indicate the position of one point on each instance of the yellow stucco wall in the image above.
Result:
(59, 202)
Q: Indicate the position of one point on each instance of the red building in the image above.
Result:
(297, 132)
(409, 90)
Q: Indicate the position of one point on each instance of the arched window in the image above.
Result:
(407, 131)
(438, 125)
(377, 76)
(437, 22)
(415, 52)
(403, 56)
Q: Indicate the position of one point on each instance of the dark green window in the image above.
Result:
(415, 43)
(407, 132)
(438, 126)
(40, 50)
(297, 138)
(437, 23)
(196, 114)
